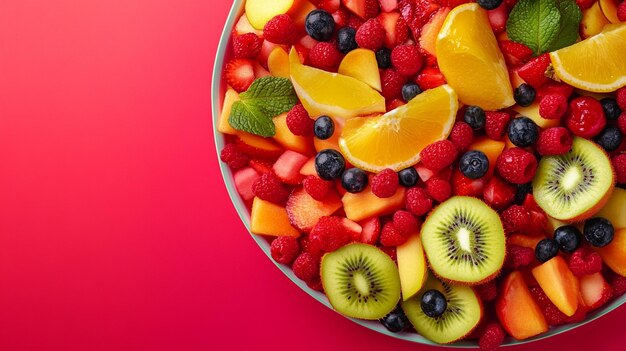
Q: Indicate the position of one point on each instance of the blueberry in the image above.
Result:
(524, 95)
(489, 4)
(408, 177)
(410, 90)
(568, 237)
(546, 249)
(599, 231)
(395, 321)
(475, 117)
(523, 132)
(474, 164)
(320, 25)
(354, 180)
(522, 191)
(610, 138)
(345, 40)
(434, 304)
(383, 58)
(329, 164)
(611, 109)
(324, 127)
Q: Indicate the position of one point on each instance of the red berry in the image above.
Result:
(438, 189)
(329, 234)
(517, 165)
(555, 88)
(578, 316)
(462, 136)
(621, 12)
(390, 251)
(430, 78)
(269, 188)
(515, 218)
(391, 236)
(534, 72)
(619, 164)
(515, 53)
(498, 18)
(553, 315)
(308, 246)
(247, 45)
(316, 187)
(554, 141)
(464, 186)
(418, 202)
(621, 122)
(325, 56)
(355, 22)
(499, 194)
(585, 117)
(407, 59)
(280, 30)
(487, 291)
(619, 284)
(518, 256)
(371, 35)
(405, 222)
(385, 183)
(585, 4)
(495, 124)
(307, 267)
(439, 155)
(392, 83)
(299, 122)
(553, 106)
(370, 230)
(233, 157)
(492, 337)
(285, 249)
(620, 96)
(584, 261)
(239, 74)
(372, 9)
(327, 5)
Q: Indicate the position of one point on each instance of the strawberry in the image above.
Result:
(365, 9)
(416, 13)
(515, 53)
(463, 186)
(499, 194)
(342, 17)
(388, 5)
(430, 78)
(239, 74)
(304, 211)
(595, 290)
(288, 165)
(498, 18)
(261, 166)
(328, 5)
(331, 233)
(371, 231)
(534, 72)
(396, 29)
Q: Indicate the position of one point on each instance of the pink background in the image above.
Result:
(116, 231)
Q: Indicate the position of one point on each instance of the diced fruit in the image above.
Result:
(363, 8)
(267, 218)
(278, 63)
(259, 71)
(396, 29)
(287, 167)
(609, 9)
(304, 211)
(532, 112)
(244, 178)
(534, 72)
(243, 26)
(300, 10)
(483, 78)
(371, 231)
(614, 209)
(222, 124)
(524, 240)
(289, 140)
(593, 21)
(411, 266)
(365, 204)
(491, 148)
(361, 64)
(259, 12)
(256, 146)
(559, 283)
(428, 38)
(266, 50)
(518, 312)
(614, 254)
(595, 290)
(308, 169)
(498, 18)
(239, 74)
(388, 5)
(333, 141)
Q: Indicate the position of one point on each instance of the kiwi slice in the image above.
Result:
(574, 186)
(361, 281)
(464, 241)
(462, 315)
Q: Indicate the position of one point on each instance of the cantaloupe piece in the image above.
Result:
(559, 283)
(222, 124)
(362, 65)
(278, 63)
(411, 266)
(614, 254)
(491, 148)
(615, 209)
(267, 218)
(365, 204)
(289, 140)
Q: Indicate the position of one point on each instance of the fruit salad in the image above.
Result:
(449, 168)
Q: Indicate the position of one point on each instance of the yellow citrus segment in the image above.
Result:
(595, 64)
(332, 94)
(362, 65)
(395, 139)
(471, 61)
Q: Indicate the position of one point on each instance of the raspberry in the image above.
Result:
(385, 183)
(324, 56)
(371, 35)
(517, 165)
(621, 122)
(619, 164)
(620, 96)
(553, 315)
(438, 155)
(405, 222)
(515, 218)
(390, 251)
(316, 187)
(554, 141)
(391, 236)
(269, 188)
(418, 202)
(407, 60)
(372, 8)
(329, 234)
(553, 106)
(585, 117)
(621, 12)
(578, 316)
(495, 125)
(285, 249)
(247, 45)
(518, 256)
(392, 83)
(462, 136)
(555, 88)
(316, 285)
(438, 189)
(280, 30)
(299, 122)
(233, 157)
(492, 337)
(307, 267)
(584, 262)
(619, 285)
(308, 246)
(487, 291)
(355, 22)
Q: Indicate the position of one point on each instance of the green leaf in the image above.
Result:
(251, 119)
(571, 15)
(535, 23)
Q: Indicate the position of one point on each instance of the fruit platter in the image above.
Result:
(448, 172)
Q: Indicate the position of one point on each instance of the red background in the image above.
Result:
(116, 231)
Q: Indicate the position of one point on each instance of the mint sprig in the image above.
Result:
(265, 99)
(544, 25)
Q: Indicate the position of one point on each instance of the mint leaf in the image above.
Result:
(266, 98)
(571, 15)
(535, 23)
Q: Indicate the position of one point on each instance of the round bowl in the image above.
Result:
(218, 88)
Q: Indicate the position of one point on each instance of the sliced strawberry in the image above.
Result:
(499, 194)
(430, 78)
(303, 53)
(304, 211)
(365, 9)
(328, 5)
(342, 17)
(534, 72)
(287, 167)
(538, 219)
(515, 53)
(424, 173)
(388, 5)
(595, 290)
(308, 42)
(261, 166)
(463, 186)
(396, 29)
(371, 231)
(416, 13)
(244, 178)
(394, 104)
(498, 18)
(239, 74)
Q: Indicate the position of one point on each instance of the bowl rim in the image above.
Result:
(217, 94)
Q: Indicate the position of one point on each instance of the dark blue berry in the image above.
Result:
(568, 237)
(383, 58)
(434, 304)
(475, 117)
(410, 90)
(522, 191)
(395, 321)
(546, 249)
(599, 231)
(354, 180)
(474, 164)
(345, 40)
(611, 108)
(320, 25)
(408, 177)
(489, 4)
(610, 138)
(525, 95)
(324, 127)
(329, 164)
(523, 132)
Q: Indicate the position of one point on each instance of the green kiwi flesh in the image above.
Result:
(570, 186)
(361, 281)
(464, 241)
(462, 315)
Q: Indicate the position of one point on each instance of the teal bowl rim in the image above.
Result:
(217, 93)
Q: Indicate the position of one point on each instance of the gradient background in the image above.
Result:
(116, 232)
